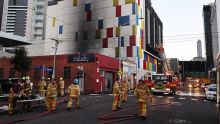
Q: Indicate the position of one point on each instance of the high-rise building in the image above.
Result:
(98, 26)
(207, 12)
(23, 17)
(199, 48)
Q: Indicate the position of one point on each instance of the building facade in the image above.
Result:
(107, 27)
(207, 12)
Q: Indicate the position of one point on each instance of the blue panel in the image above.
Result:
(137, 51)
(61, 29)
(87, 7)
(100, 24)
(145, 56)
(122, 42)
(133, 8)
(137, 20)
(124, 20)
(138, 62)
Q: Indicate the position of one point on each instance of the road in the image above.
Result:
(187, 107)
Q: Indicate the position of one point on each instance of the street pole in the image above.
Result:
(119, 50)
(54, 59)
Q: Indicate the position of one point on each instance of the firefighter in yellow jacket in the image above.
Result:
(73, 92)
(13, 93)
(116, 94)
(42, 87)
(124, 87)
(62, 85)
(52, 95)
(142, 92)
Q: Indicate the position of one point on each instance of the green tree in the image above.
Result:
(22, 63)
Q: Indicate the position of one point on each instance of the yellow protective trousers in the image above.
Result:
(51, 103)
(71, 100)
(42, 93)
(61, 91)
(11, 106)
(143, 108)
(124, 95)
(116, 102)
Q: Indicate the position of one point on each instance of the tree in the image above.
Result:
(22, 63)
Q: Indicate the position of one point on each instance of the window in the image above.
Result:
(1, 72)
(37, 73)
(12, 73)
(61, 29)
(50, 72)
(102, 73)
(67, 72)
(76, 36)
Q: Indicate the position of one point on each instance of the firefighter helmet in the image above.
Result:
(76, 81)
(61, 78)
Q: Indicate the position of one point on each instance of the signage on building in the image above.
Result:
(81, 58)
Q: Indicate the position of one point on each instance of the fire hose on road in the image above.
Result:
(112, 119)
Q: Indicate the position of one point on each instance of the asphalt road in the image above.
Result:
(187, 107)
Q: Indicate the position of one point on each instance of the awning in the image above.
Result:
(10, 40)
(106, 62)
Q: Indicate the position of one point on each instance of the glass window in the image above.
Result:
(37, 73)
(1, 72)
(67, 72)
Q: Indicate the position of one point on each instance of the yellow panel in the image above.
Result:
(74, 2)
(129, 1)
(115, 2)
(140, 52)
(54, 21)
(142, 24)
(98, 34)
(134, 29)
(117, 31)
(116, 52)
(150, 67)
(138, 12)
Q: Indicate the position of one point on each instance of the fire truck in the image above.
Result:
(163, 83)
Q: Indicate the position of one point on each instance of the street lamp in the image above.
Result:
(55, 53)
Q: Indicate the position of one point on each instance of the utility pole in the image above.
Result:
(57, 41)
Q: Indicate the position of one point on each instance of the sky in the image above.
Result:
(182, 26)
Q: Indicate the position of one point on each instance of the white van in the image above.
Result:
(211, 92)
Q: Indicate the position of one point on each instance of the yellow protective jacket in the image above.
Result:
(73, 90)
(26, 89)
(141, 92)
(116, 89)
(124, 85)
(42, 85)
(11, 95)
(61, 84)
(52, 90)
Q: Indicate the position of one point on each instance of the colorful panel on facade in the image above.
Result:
(115, 2)
(88, 7)
(109, 32)
(134, 8)
(105, 42)
(89, 15)
(123, 20)
(100, 24)
(134, 29)
(118, 10)
(74, 2)
(54, 21)
(122, 42)
(61, 29)
(129, 51)
(117, 31)
(132, 41)
(117, 52)
(98, 34)
(129, 1)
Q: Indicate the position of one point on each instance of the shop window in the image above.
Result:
(1, 72)
(76, 36)
(50, 73)
(67, 72)
(37, 73)
(102, 73)
(12, 73)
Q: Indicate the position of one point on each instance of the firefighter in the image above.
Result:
(13, 93)
(116, 94)
(61, 83)
(141, 92)
(26, 93)
(52, 95)
(42, 86)
(124, 87)
(73, 92)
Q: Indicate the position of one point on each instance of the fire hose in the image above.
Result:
(124, 118)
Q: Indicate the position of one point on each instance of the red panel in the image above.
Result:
(129, 51)
(139, 2)
(105, 42)
(109, 32)
(132, 41)
(145, 67)
(118, 10)
(89, 15)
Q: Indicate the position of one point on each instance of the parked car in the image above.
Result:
(211, 92)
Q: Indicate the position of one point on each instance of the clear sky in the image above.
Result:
(182, 26)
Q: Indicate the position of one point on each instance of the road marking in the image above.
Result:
(206, 100)
(97, 96)
(110, 94)
(175, 103)
(182, 98)
(131, 95)
(159, 96)
(194, 99)
(179, 121)
(170, 97)
(93, 94)
(84, 98)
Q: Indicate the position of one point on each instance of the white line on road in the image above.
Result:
(159, 96)
(110, 94)
(84, 98)
(170, 97)
(194, 99)
(182, 98)
(93, 94)
(206, 101)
